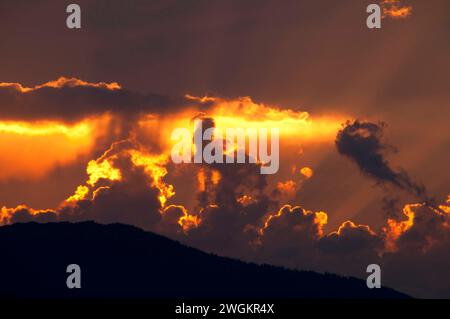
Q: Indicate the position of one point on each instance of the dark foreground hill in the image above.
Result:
(119, 261)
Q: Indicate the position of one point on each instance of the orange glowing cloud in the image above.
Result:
(31, 149)
(287, 189)
(7, 214)
(395, 229)
(320, 219)
(80, 193)
(154, 166)
(295, 127)
(306, 172)
(446, 207)
(351, 225)
(102, 169)
(245, 200)
(393, 9)
(61, 82)
(186, 221)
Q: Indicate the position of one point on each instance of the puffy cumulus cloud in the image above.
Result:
(351, 237)
(291, 229)
(304, 222)
(363, 143)
(344, 251)
(124, 185)
(349, 249)
(420, 262)
(406, 247)
(421, 228)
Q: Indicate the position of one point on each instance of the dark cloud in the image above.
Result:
(351, 238)
(291, 229)
(71, 101)
(422, 256)
(221, 212)
(363, 143)
(24, 214)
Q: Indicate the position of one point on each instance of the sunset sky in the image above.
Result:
(86, 118)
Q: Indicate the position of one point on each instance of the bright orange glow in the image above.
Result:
(32, 149)
(446, 207)
(201, 180)
(215, 177)
(245, 200)
(306, 172)
(44, 129)
(272, 216)
(294, 126)
(186, 222)
(395, 229)
(80, 194)
(7, 213)
(246, 114)
(102, 169)
(320, 219)
(287, 188)
(393, 9)
(154, 166)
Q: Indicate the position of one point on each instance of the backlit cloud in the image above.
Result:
(228, 209)
(394, 9)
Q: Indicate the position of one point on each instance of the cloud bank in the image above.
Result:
(232, 209)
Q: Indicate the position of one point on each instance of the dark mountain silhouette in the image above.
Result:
(120, 261)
